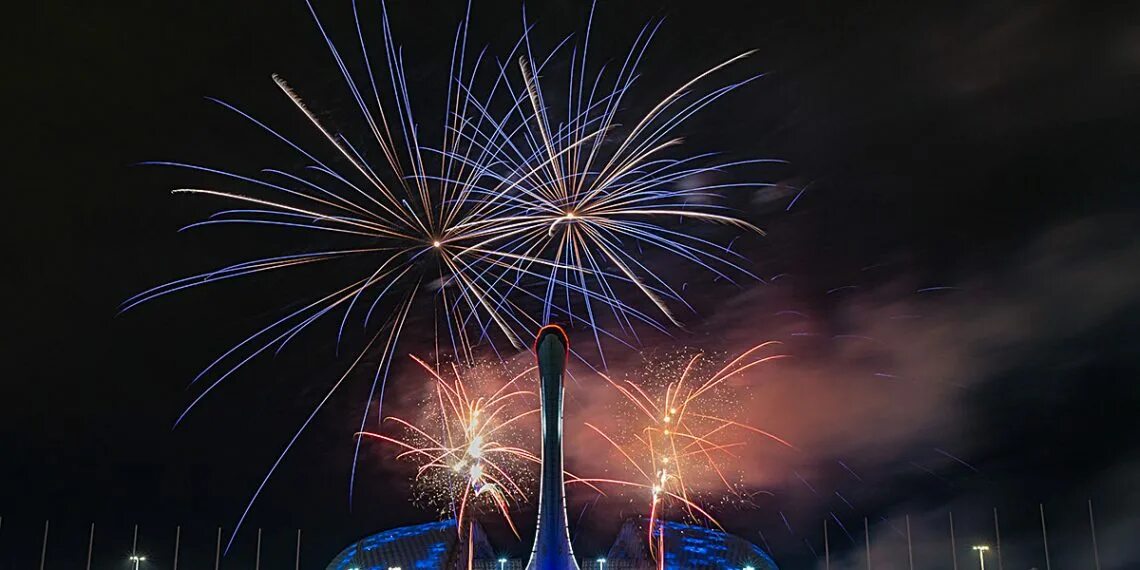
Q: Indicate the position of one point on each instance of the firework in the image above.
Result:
(412, 224)
(593, 197)
(504, 212)
(471, 444)
(677, 434)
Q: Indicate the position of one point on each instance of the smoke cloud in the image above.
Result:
(893, 380)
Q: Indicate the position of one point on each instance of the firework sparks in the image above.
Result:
(589, 204)
(504, 211)
(471, 444)
(416, 236)
(677, 435)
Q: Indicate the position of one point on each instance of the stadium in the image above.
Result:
(439, 545)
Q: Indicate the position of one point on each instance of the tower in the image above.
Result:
(552, 537)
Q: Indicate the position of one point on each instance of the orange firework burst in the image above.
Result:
(470, 444)
(677, 434)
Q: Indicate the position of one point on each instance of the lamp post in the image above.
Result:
(137, 560)
(601, 564)
(982, 554)
(502, 563)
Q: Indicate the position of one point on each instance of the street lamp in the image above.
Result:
(137, 559)
(601, 564)
(502, 563)
(982, 554)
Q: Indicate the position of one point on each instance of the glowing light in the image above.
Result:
(981, 550)
(475, 448)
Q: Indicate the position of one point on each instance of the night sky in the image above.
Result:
(964, 261)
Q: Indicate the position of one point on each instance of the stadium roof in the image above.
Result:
(428, 546)
(434, 546)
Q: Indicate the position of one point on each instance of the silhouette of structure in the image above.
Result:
(552, 537)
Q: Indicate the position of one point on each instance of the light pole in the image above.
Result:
(502, 563)
(137, 560)
(601, 564)
(982, 555)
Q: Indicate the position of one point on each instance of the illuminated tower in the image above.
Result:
(552, 537)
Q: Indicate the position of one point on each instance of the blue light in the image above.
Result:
(430, 554)
(689, 546)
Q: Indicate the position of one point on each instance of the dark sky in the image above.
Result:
(986, 146)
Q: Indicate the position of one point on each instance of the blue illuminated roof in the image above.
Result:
(431, 546)
(422, 547)
(688, 546)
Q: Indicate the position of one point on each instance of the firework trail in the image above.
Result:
(504, 213)
(679, 434)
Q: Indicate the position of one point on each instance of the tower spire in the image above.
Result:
(552, 537)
